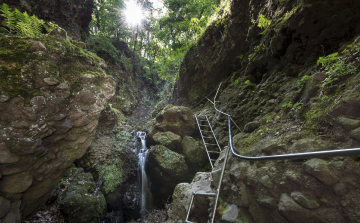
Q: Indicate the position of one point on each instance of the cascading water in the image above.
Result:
(145, 194)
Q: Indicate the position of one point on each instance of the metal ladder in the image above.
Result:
(209, 135)
(211, 144)
(215, 195)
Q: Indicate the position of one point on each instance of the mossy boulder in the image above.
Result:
(194, 151)
(80, 203)
(169, 140)
(177, 119)
(166, 169)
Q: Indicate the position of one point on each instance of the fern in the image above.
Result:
(21, 23)
(9, 16)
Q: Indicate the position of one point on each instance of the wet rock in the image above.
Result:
(194, 151)
(169, 140)
(319, 169)
(251, 126)
(305, 201)
(79, 204)
(166, 169)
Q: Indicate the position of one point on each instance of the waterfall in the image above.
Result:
(145, 194)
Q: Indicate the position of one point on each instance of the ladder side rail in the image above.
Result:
(213, 133)
(219, 185)
(202, 137)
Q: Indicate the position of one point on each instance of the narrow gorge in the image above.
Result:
(104, 120)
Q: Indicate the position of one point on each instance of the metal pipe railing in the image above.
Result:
(306, 155)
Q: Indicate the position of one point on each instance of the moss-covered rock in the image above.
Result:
(176, 119)
(194, 151)
(80, 203)
(166, 169)
(51, 100)
(169, 140)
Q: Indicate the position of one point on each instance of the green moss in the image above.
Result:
(112, 174)
(247, 144)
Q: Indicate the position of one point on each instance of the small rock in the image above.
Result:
(4, 98)
(348, 123)
(37, 46)
(251, 126)
(103, 65)
(266, 181)
(37, 101)
(51, 81)
(319, 169)
(355, 134)
(304, 200)
(317, 78)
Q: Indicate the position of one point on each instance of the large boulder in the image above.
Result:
(82, 202)
(166, 169)
(194, 151)
(169, 140)
(49, 109)
(181, 198)
(176, 119)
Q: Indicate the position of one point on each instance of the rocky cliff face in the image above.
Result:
(290, 72)
(52, 93)
(238, 45)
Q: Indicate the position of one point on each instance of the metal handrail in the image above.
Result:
(306, 155)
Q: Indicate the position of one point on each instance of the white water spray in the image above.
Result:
(145, 195)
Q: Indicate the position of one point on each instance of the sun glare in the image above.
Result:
(133, 13)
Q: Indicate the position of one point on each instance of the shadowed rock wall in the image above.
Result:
(51, 100)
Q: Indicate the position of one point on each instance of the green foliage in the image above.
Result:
(112, 175)
(98, 43)
(21, 23)
(324, 61)
(264, 23)
(249, 84)
(107, 18)
(301, 82)
(335, 67)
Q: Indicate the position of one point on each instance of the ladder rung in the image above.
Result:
(213, 160)
(205, 131)
(213, 152)
(204, 194)
(211, 144)
(204, 125)
(208, 137)
(186, 221)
